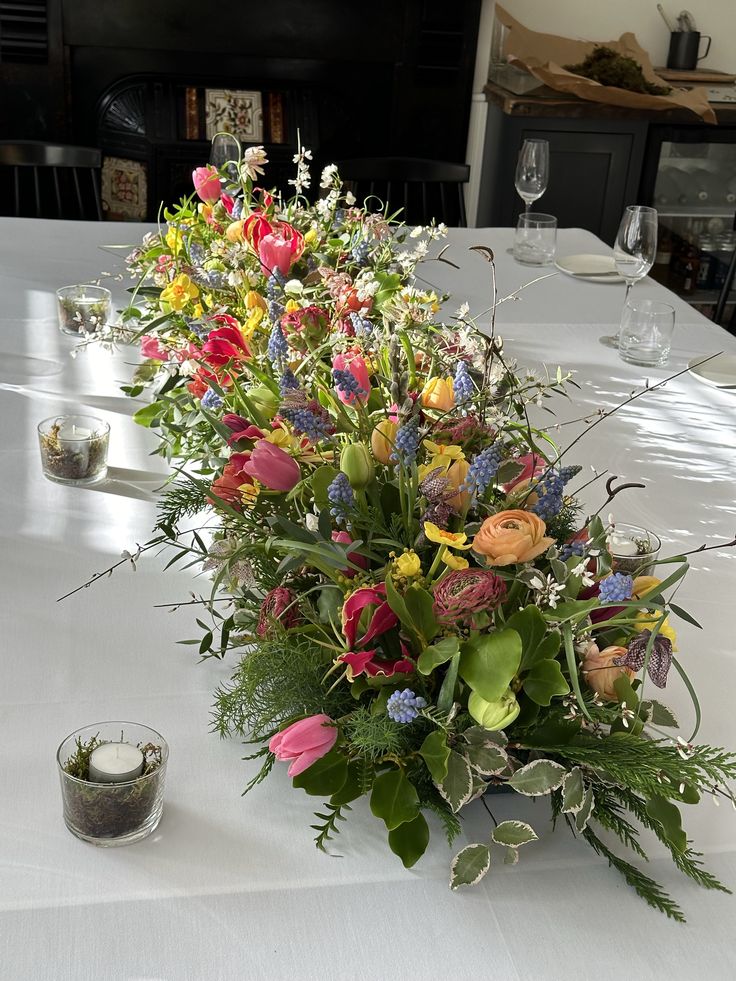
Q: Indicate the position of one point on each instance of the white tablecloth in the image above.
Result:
(232, 888)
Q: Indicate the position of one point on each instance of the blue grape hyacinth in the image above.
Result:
(404, 706)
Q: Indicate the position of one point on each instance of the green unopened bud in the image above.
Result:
(357, 465)
(494, 715)
(264, 400)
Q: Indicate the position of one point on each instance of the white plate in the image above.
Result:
(720, 372)
(586, 266)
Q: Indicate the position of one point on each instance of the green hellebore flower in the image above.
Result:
(357, 465)
(494, 715)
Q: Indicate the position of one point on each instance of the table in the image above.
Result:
(231, 888)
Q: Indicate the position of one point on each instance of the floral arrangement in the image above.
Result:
(422, 612)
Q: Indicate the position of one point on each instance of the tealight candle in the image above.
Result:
(83, 309)
(633, 549)
(74, 449)
(115, 763)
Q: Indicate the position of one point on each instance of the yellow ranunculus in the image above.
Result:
(453, 539)
(179, 292)
(311, 237)
(438, 394)
(455, 562)
(408, 565)
(254, 319)
(646, 621)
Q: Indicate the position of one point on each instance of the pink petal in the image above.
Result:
(305, 760)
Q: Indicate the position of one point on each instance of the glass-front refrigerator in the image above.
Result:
(690, 178)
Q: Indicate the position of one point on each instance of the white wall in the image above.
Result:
(605, 20)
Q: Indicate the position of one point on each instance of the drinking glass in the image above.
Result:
(224, 149)
(535, 242)
(532, 171)
(634, 251)
(646, 331)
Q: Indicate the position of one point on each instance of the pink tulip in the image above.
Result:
(382, 618)
(304, 742)
(344, 539)
(207, 184)
(151, 348)
(533, 465)
(242, 428)
(272, 467)
(355, 364)
(366, 662)
(275, 252)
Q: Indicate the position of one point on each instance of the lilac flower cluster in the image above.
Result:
(341, 497)
(462, 385)
(278, 349)
(403, 706)
(616, 588)
(550, 491)
(406, 443)
(482, 470)
(347, 384)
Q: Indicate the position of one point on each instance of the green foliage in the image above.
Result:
(409, 840)
(325, 776)
(394, 799)
(181, 500)
(278, 680)
(489, 661)
(329, 827)
(374, 737)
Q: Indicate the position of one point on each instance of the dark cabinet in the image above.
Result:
(595, 167)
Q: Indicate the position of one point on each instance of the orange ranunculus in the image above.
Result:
(511, 536)
(601, 673)
(438, 394)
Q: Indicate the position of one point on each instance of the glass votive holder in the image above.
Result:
(634, 550)
(83, 309)
(535, 242)
(74, 449)
(112, 781)
(646, 332)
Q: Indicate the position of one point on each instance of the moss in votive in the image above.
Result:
(73, 460)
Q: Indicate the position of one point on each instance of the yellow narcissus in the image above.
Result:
(453, 539)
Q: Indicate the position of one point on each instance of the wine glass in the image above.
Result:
(224, 149)
(634, 251)
(532, 171)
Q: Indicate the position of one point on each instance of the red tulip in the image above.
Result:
(272, 467)
(207, 184)
(382, 618)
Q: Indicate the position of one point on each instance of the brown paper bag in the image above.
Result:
(543, 55)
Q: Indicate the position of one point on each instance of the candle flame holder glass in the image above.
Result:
(637, 560)
(83, 309)
(74, 449)
(110, 814)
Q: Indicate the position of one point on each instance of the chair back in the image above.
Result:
(421, 189)
(49, 180)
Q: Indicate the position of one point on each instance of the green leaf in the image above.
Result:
(573, 791)
(508, 471)
(396, 602)
(325, 776)
(488, 662)
(487, 760)
(320, 481)
(572, 667)
(435, 752)
(667, 816)
(149, 415)
(531, 626)
(470, 865)
(394, 799)
(409, 841)
(352, 789)
(537, 778)
(684, 615)
(457, 786)
(572, 610)
(420, 607)
(586, 810)
(513, 833)
(661, 715)
(432, 657)
(511, 856)
(544, 681)
(693, 696)
(447, 691)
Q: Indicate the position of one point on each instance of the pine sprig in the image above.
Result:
(450, 822)
(263, 772)
(608, 815)
(649, 890)
(181, 500)
(329, 828)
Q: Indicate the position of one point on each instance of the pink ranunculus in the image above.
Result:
(344, 539)
(207, 184)
(355, 364)
(304, 742)
(151, 347)
(272, 467)
(533, 465)
(366, 662)
(382, 616)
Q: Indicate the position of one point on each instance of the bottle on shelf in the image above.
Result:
(667, 190)
(706, 268)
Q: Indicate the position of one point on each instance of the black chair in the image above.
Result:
(421, 189)
(50, 180)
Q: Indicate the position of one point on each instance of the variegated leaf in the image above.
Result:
(510, 856)
(488, 760)
(573, 791)
(470, 865)
(584, 814)
(513, 833)
(477, 735)
(457, 787)
(538, 778)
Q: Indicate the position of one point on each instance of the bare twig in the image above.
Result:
(127, 557)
